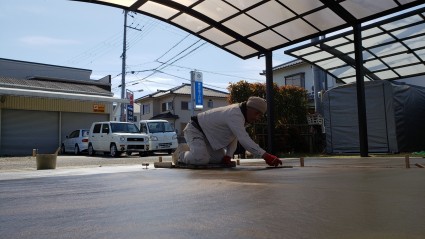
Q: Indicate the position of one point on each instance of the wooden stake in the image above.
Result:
(419, 165)
(407, 161)
(302, 161)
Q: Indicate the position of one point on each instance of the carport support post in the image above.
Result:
(270, 102)
(361, 102)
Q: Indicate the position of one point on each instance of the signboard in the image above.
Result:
(129, 107)
(98, 108)
(197, 90)
(130, 111)
(199, 96)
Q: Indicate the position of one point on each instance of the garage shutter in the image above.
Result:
(73, 121)
(24, 130)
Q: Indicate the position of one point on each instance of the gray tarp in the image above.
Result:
(395, 118)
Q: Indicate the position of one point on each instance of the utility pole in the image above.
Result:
(124, 54)
(124, 48)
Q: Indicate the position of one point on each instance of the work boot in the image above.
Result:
(179, 150)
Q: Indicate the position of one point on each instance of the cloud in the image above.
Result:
(47, 41)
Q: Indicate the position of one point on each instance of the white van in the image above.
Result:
(117, 138)
(162, 136)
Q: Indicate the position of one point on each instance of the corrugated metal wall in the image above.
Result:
(41, 123)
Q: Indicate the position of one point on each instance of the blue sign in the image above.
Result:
(199, 96)
(130, 113)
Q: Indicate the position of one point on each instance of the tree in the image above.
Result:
(290, 110)
(290, 102)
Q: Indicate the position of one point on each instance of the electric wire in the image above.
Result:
(163, 66)
(214, 73)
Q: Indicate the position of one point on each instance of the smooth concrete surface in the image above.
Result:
(244, 202)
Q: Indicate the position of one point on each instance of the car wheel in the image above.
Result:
(62, 149)
(143, 154)
(91, 150)
(114, 151)
(76, 150)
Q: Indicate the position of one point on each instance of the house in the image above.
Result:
(174, 104)
(40, 104)
(301, 73)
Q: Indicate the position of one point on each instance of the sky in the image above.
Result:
(90, 36)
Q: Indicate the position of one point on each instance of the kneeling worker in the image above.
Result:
(212, 135)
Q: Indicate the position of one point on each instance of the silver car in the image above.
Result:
(76, 142)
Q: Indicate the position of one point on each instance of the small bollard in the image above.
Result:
(238, 162)
(34, 152)
(160, 159)
(407, 161)
(302, 161)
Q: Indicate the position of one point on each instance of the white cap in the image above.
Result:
(257, 103)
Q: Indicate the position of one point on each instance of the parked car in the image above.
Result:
(76, 142)
(162, 136)
(116, 138)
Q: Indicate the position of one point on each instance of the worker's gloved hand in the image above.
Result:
(272, 160)
(226, 159)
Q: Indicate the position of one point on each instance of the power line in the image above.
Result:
(212, 72)
(154, 71)
(101, 48)
(157, 59)
(214, 86)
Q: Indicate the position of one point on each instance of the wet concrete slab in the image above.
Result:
(242, 202)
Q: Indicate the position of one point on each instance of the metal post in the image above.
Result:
(124, 48)
(270, 102)
(317, 83)
(361, 102)
(192, 93)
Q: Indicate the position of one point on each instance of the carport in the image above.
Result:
(393, 49)
(257, 28)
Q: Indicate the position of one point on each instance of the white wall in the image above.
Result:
(280, 74)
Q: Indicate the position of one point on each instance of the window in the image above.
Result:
(156, 127)
(74, 134)
(210, 104)
(96, 128)
(124, 128)
(105, 129)
(85, 133)
(185, 105)
(296, 80)
(146, 109)
(167, 106)
(143, 128)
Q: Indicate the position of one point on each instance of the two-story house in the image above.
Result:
(302, 74)
(174, 104)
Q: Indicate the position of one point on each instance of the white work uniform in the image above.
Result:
(223, 127)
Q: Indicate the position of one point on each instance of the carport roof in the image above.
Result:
(392, 49)
(248, 28)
